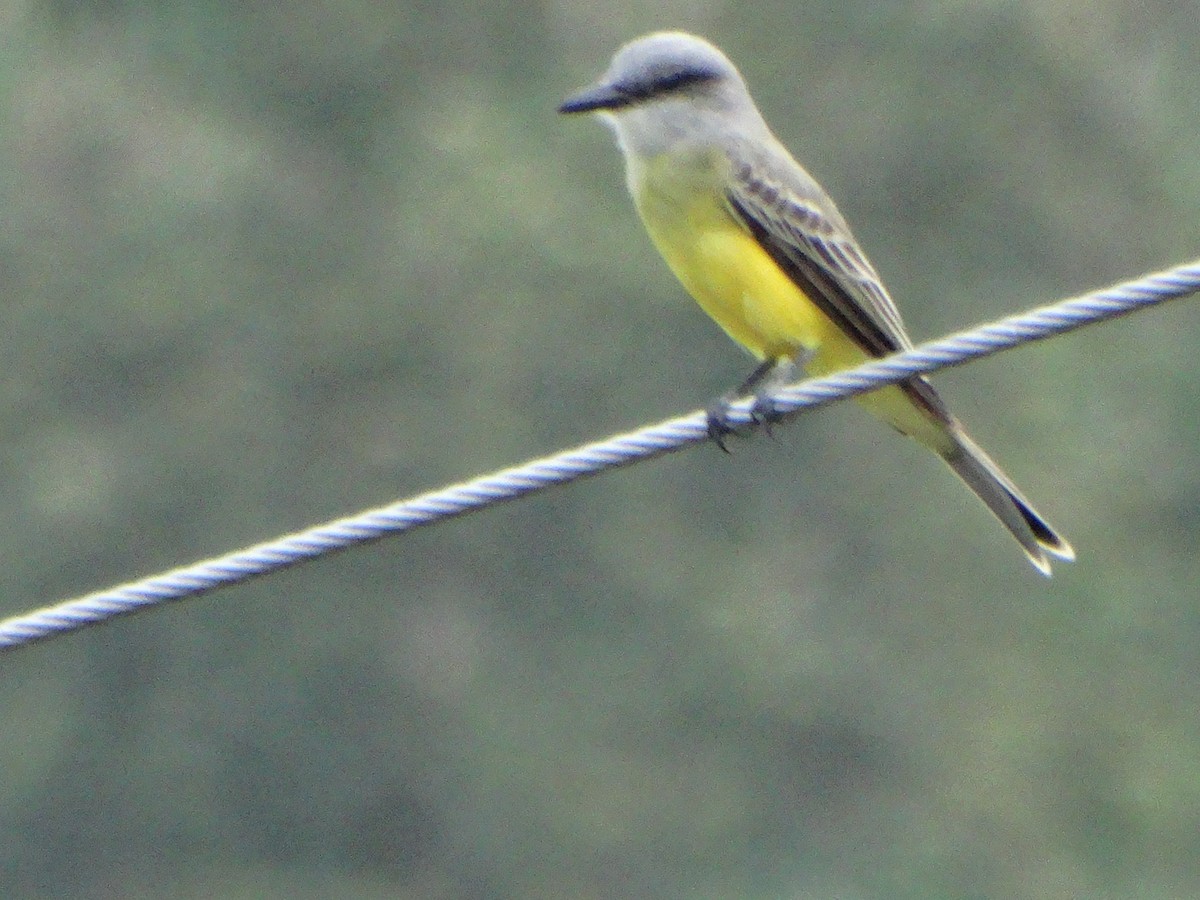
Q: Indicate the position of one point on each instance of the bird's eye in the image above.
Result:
(681, 78)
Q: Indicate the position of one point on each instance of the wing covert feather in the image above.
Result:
(801, 229)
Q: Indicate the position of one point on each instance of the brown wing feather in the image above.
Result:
(801, 229)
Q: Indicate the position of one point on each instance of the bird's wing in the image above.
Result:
(800, 228)
(802, 231)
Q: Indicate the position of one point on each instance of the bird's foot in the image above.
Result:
(719, 426)
(765, 413)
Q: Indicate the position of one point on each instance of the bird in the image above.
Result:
(768, 256)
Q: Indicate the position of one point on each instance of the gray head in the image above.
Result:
(668, 87)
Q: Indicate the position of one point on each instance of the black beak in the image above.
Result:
(598, 96)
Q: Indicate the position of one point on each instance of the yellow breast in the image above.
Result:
(681, 200)
(682, 203)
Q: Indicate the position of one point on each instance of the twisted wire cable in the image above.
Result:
(590, 459)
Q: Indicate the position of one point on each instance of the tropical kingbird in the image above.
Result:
(765, 252)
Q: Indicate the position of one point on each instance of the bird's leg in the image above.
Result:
(763, 410)
(766, 377)
(783, 372)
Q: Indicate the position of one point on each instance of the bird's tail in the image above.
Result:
(1035, 535)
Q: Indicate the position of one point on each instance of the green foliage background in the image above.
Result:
(266, 264)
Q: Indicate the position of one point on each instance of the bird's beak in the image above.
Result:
(594, 98)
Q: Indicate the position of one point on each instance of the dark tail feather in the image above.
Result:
(1001, 496)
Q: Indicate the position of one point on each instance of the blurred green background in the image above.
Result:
(267, 264)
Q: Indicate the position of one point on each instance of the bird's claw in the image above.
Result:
(719, 426)
(765, 413)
